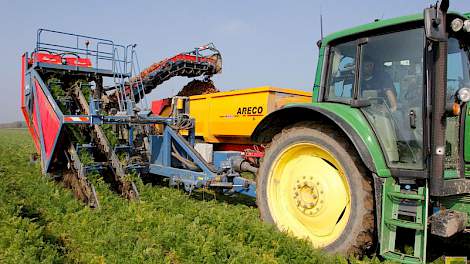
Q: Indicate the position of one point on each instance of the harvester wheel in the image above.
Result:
(312, 184)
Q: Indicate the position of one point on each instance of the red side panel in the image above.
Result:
(81, 62)
(47, 58)
(49, 121)
(23, 105)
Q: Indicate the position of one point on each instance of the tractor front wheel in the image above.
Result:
(312, 184)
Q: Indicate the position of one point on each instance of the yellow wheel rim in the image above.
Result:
(308, 194)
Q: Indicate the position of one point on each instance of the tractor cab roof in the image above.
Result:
(379, 25)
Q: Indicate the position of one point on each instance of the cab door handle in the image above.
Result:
(412, 116)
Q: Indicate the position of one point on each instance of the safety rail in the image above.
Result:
(198, 52)
(104, 51)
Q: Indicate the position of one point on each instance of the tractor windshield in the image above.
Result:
(391, 79)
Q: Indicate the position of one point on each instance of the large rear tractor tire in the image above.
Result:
(312, 184)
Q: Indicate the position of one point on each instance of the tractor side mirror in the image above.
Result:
(435, 21)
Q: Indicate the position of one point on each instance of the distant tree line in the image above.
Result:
(17, 124)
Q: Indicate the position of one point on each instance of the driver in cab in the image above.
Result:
(377, 83)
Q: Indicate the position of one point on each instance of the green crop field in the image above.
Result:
(41, 222)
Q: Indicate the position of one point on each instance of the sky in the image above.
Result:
(262, 42)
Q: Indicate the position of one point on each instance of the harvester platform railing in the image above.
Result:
(84, 48)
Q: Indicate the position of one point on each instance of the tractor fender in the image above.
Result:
(275, 121)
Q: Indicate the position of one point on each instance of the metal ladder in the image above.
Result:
(119, 71)
(136, 82)
(393, 198)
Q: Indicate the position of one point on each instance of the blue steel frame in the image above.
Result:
(161, 160)
(161, 151)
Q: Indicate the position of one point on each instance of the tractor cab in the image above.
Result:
(388, 88)
(410, 79)
(389, 123)
(412, 89)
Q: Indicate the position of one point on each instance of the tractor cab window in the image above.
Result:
(391, 79)
(342, 72)
(457, 67)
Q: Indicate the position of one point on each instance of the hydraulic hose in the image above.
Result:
(241, 165)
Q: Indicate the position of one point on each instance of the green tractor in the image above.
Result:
(382, 155)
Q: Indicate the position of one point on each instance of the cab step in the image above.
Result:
(397, 221)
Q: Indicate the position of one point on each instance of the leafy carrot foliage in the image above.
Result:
(41, 222)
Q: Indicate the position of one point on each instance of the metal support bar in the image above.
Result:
(190, 151)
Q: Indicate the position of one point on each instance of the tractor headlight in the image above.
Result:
(464, 94)
(466, 25)
(456, 24)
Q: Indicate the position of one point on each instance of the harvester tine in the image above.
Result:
(77, 181)
(96, 202)
(81, 188)
(128, 189)
(134, 188)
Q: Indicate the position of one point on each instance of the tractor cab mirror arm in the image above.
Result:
(435, 21)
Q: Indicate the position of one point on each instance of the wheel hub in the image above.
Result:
(307, 196)
(302, 179)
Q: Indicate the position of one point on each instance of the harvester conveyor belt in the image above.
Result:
(191, 64)
(127, 188)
